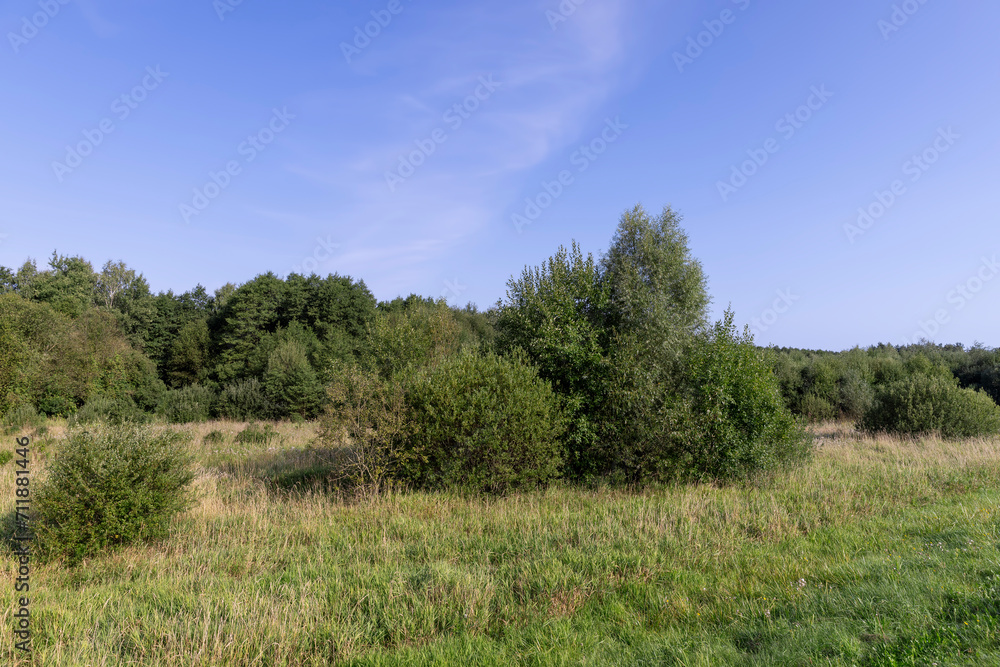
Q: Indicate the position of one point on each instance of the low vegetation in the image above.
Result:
(878, 551)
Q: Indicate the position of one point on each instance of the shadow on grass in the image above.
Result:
(297, 470)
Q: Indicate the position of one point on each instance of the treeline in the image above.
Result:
(82, 343)
(907, 389)
(591, 368)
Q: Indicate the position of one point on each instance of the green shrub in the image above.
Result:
(254, 434)
(244, 400)
(923, 404)
(727, 420)
(190, 404)
(21, 417)
(5, 457)
(414, 336)
(109, 410)
(214, 438)
(109, 487)
(290, 382)
(816, 408)
(482, 422)
(857, 395)
(367, 412)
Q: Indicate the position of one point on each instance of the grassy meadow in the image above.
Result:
(879, 551)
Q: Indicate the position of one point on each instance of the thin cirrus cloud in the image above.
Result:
(548, 91)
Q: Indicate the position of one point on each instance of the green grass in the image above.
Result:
(878, 552)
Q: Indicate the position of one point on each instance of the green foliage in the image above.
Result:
(125, 293)
(290, 382)
(5, 457)
(255, 434)
(657, 288)
(244, 400)
(366, 412)
(556, 314)
(190, 404)
(189, 354)
(482, 422)
(736, 422)
(215, 437)
(336, 310)
(724, 419)
(109, 410)
(111, 487)
(20, 418)
(68, 286)
(926, 403)
(411, 337)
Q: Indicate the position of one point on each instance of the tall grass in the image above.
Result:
(880, 551)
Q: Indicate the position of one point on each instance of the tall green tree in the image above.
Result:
(558, 314)
(290, 382)
(68, 285)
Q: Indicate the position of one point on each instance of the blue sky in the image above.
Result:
(207, 142)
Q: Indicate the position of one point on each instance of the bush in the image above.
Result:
(367, 412)
(482, 422)
(254, 434)
(416, 336)
(109, 410)
(923, 404)
(214, 438)
(816, 408)
(727, 420)
(244, 400)
(21, 417)
(110, 487)
(291, 383)
(190, 404)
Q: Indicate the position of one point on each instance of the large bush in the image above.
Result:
(109, 487)
(483, 422)
(291, 384)
(556, 314)
(725, 418)
(416, 335)
(109, 410)
(244, 400)
(190, 404)
(931, 403)
(367, 413)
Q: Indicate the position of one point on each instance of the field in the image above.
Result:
(880, 551)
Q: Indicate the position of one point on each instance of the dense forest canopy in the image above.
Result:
(69, 334)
